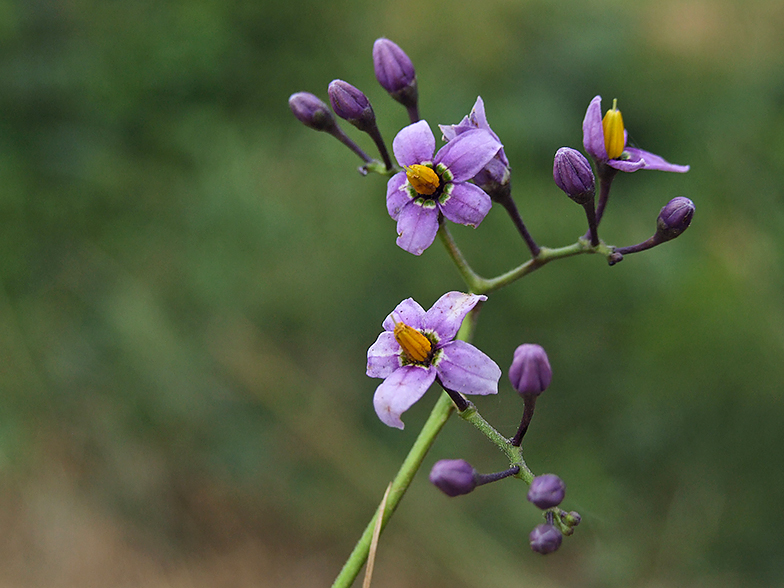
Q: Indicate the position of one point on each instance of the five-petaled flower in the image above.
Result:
(417, 347)
(434, 185)
(605, 141)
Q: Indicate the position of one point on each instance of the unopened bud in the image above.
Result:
(530, 372)
(351, 104)
(311, 111)
(453, 477)
(395, 72)
(545, 539)
(573, 174)
(546, 491)
(674, 218)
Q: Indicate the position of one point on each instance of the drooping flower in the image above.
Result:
(496, 172)
(434, 185)
(605, 141)
(417, 347)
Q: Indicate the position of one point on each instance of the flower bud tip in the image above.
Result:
(453, 477)
(546, 491)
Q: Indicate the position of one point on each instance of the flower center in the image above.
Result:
(613, 132)
(415, 345)
(423, 179)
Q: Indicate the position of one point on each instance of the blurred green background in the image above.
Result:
(190, 279)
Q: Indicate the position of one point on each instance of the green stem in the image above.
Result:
(405, 475)
(515, 454)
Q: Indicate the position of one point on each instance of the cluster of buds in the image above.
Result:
(530, 374)
(604, 140)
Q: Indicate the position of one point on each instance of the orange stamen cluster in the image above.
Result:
(423, 179)
(415, 345)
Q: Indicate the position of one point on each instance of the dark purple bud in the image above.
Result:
(546, 491)
(530, 372)
(453, 476)
(674, 218)
(351, 104)
(311, 111)
(394, 71)
(573, 174)
(545, 539)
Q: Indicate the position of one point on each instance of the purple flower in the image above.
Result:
(598, 138)
(454, 477)
(545, 539)
(435, 185)
(418, 346)
(496, 172)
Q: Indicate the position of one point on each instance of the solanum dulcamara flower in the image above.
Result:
(496, 172)
(605, 140)
(434, 185)
(417, 347)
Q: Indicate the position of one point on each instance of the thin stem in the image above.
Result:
(606, 176)
(529, 402)
(338, 133)
(438, 416)
(470, 277)
(590, 213)
(413, 112)
(509, 204)
(435, 422)
(515, 454)
(482, 479)
(647, 244)
(375, 134)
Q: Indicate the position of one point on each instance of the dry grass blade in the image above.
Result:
(374, 541)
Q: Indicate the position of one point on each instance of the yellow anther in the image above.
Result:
(424, 180)
(415, 345)
(613, 132)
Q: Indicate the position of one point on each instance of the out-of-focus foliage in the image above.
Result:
(189, 281)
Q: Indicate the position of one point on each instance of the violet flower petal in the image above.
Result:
(400, 391)
(409, 312)
(631, 164)
(467, 204)
(446, 315)
(397, 194)
(465, 369)
(655, 162)
(593, 132)
(467, 154)
(417, 225)
(414, 144)
(383, 357)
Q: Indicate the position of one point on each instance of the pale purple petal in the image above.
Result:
(383, 357)
(417, 226)
(465, 369)
(467, 204)
(632, 163)
(414, 144)
(468, 153)
(593, 132)
(448, 312)
(397, 194)
(409, 312)
(399, 391)
(655, 162)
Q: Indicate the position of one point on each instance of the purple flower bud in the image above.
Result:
(311, 111)
(351, 104)
(545, 539)
(530, 372)
(573, 174)
(453, 476)
(394, 71)
(546, 491)
(572, 518)
(674, 218)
